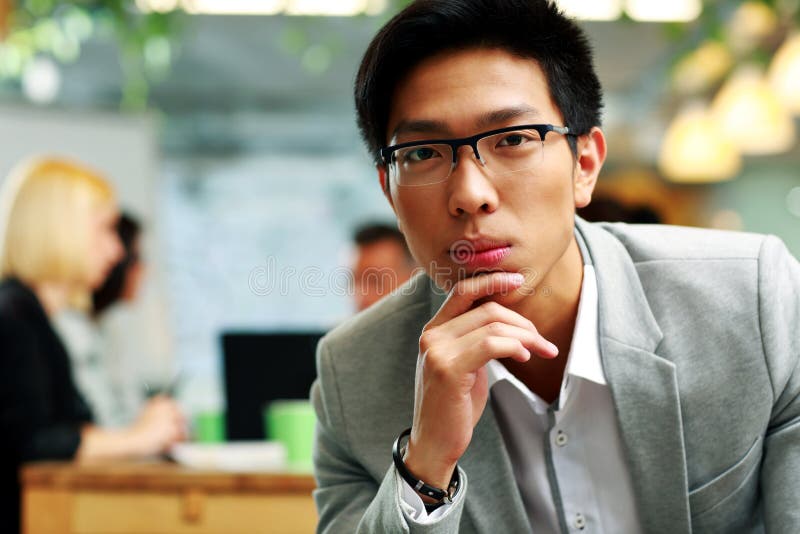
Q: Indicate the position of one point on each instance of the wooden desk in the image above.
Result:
(163, 498)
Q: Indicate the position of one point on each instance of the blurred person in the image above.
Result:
(383, 263)
(125, 279)
(545, 374)
(111, 352)
(57, 243)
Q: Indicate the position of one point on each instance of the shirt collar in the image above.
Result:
(583, 360)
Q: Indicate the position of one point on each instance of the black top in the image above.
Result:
(41, 411)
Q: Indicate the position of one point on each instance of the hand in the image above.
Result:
(159, 426)
(451, 384)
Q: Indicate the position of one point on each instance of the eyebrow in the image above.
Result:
(484, 121)
(502, 115)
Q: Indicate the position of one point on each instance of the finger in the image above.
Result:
(464, 294)
(484, 314)
(477, 354)
(533, 342)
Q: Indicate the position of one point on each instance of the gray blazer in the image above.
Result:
(700, 346)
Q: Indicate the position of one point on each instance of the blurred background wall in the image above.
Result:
(233, 138)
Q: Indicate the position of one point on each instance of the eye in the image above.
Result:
(517, 138)
(420, 153)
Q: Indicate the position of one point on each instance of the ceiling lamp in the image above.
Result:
(702, 69)
(341, 8)
(784, 74)
(694, 149)
(232, 7)
(751, 23)
(592, 9)
(672, 11)
(159, 6)
(751, 115)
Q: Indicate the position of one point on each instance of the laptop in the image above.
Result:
(260, 367)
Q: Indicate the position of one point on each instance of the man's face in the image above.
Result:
(527, 216)
(379, 268)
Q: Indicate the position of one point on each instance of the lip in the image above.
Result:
(479, 253)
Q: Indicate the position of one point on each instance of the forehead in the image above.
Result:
(463, 90)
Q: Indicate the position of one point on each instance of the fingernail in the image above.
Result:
(516, 278)
(553, 349)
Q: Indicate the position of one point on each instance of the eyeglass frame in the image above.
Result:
(543, 129)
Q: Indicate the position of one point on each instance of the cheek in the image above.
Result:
(544, 207)
(553, 185)
(417, 215)
(547, 192)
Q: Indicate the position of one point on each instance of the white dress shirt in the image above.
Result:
(567, 457)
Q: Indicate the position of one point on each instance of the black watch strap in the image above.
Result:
(441, 496)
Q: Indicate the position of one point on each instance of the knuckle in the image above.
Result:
(492, 308)
(491, 311)
(495, 328)
(435, 366)
(489, 344)
(427, 338)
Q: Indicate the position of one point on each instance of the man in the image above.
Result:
(554, 375)
(382, 263)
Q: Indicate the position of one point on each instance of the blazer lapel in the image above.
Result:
(643, 385)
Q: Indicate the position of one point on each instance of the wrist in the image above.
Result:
(428, 489)
(435, 471)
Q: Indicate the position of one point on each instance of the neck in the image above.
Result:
(553, 309)
(54, 297)
(554, 305)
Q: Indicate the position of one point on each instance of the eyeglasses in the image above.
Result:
(501, 151)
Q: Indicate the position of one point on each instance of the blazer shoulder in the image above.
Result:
(658, 242)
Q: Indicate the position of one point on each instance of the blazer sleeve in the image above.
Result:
(28, 432)
(779, 314)
(347, 497)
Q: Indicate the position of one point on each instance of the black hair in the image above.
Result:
(534, 29)
(369, 233)
(128, 229)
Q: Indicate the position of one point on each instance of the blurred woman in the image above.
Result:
(111, 351)
(58, 242)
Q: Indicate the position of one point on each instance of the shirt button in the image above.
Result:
(561, 439)
(580, 521)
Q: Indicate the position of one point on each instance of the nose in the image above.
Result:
(469, 188)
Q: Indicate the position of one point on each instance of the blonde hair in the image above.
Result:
(45, 207)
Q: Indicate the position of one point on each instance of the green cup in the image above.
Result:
(291, 422)
(209, 427)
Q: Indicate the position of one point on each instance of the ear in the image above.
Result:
(591, 155)
(383, 179)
